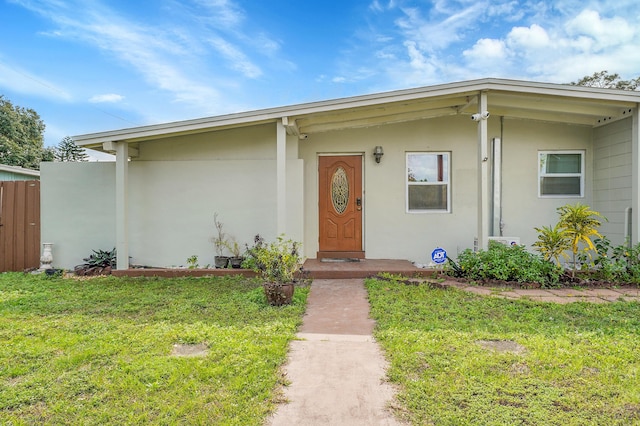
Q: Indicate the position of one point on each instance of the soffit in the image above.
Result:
(550, 108)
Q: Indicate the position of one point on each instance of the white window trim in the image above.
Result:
(447, 183)
(581, 175)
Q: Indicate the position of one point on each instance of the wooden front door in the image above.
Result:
(340, 204)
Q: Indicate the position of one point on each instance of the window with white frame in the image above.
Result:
(561, 173)
(427, 178)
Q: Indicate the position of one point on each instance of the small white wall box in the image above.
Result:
(507, 241)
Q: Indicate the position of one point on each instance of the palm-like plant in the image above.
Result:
(552, 243)
(579, 224)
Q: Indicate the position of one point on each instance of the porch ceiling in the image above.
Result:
(508, 104)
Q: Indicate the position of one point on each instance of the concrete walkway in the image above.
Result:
(336, 370)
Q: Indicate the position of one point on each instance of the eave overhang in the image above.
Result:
(509, 98)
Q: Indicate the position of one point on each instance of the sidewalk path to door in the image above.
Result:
(336, 370)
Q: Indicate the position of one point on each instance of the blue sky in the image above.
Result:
(94, 65)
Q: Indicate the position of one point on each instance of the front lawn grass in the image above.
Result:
(98, 351)
(579, 363)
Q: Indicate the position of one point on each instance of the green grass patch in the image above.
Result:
(580, 363)
(98, 351)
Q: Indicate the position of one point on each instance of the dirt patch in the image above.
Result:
(502, 346)
(198, 350)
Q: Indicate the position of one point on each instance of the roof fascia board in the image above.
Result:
(272, 114)
(565, 90)
(19, 170)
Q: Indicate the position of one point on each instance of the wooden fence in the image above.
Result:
(19, 225)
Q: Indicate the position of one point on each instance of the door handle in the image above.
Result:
(358, 203)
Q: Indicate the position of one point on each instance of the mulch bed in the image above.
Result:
(566, 281)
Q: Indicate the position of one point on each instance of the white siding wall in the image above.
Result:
(612, 177)
(9, 176)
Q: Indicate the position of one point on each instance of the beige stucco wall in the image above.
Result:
(77, 203)
(391, 232)
(175, 187)
(522, 139)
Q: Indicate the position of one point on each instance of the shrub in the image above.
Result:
(552, 243)
(275, 262)
(617, 264)
(506, 263)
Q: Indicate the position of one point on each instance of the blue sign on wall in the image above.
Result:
(439, 255)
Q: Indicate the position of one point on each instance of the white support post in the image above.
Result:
(635, 177)
(122, 200)
(483, 175)
(281, 178)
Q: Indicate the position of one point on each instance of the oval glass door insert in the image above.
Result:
(340, 190)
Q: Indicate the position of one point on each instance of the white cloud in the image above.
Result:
(436, 34)
(487, 49)
(237, 59)
(605, 32)
(378, 6)
(417, 59)
(106, 98)
(533, 37)
(224, 13)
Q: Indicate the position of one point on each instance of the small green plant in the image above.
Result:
(99, 262)
(573, 232)
(192, 262)
(552, 243)
(232, 245)
(220, 240)
(580, 224)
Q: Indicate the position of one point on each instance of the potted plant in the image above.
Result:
(277, 264)
(220, 244)
(236, 259)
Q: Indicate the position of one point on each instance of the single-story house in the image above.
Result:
(389, 175)
(14, 173)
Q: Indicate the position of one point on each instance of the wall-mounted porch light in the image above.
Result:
(378, 153)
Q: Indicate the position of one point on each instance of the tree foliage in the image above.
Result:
(605, 80)
(22, 137)
(67, 150)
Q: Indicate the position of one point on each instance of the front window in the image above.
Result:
(428, 188)
(561, 173)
